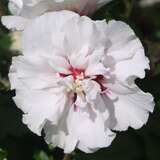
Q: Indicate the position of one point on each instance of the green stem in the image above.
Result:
(129, 7)
(67, 157)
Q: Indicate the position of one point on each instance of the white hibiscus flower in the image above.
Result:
(75, 80)
(24, 10)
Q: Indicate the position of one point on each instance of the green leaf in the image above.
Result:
(3, 154)
(41, 155)
(5, 42)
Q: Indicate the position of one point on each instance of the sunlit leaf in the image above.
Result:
(3, 154)
(41, 155)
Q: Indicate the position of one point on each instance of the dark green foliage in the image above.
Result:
(41, 155)
(3, 154)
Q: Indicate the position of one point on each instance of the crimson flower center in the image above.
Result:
(79, 74)
(75, 73)
(77, 88)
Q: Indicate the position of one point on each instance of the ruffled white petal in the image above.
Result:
(91, 89)
(127, 52)
(31, 73)
(82, 127)
(132, 68)
(15, 22)
(53, 38)
(132, 110)
(58, 135)
(40, 107)
(124, 41)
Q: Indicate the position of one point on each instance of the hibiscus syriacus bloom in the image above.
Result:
(23, 10)
(75, 80)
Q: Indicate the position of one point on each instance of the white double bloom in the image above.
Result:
(25, 10)
(76, 80)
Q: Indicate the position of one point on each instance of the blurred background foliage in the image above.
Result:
(18, 143)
